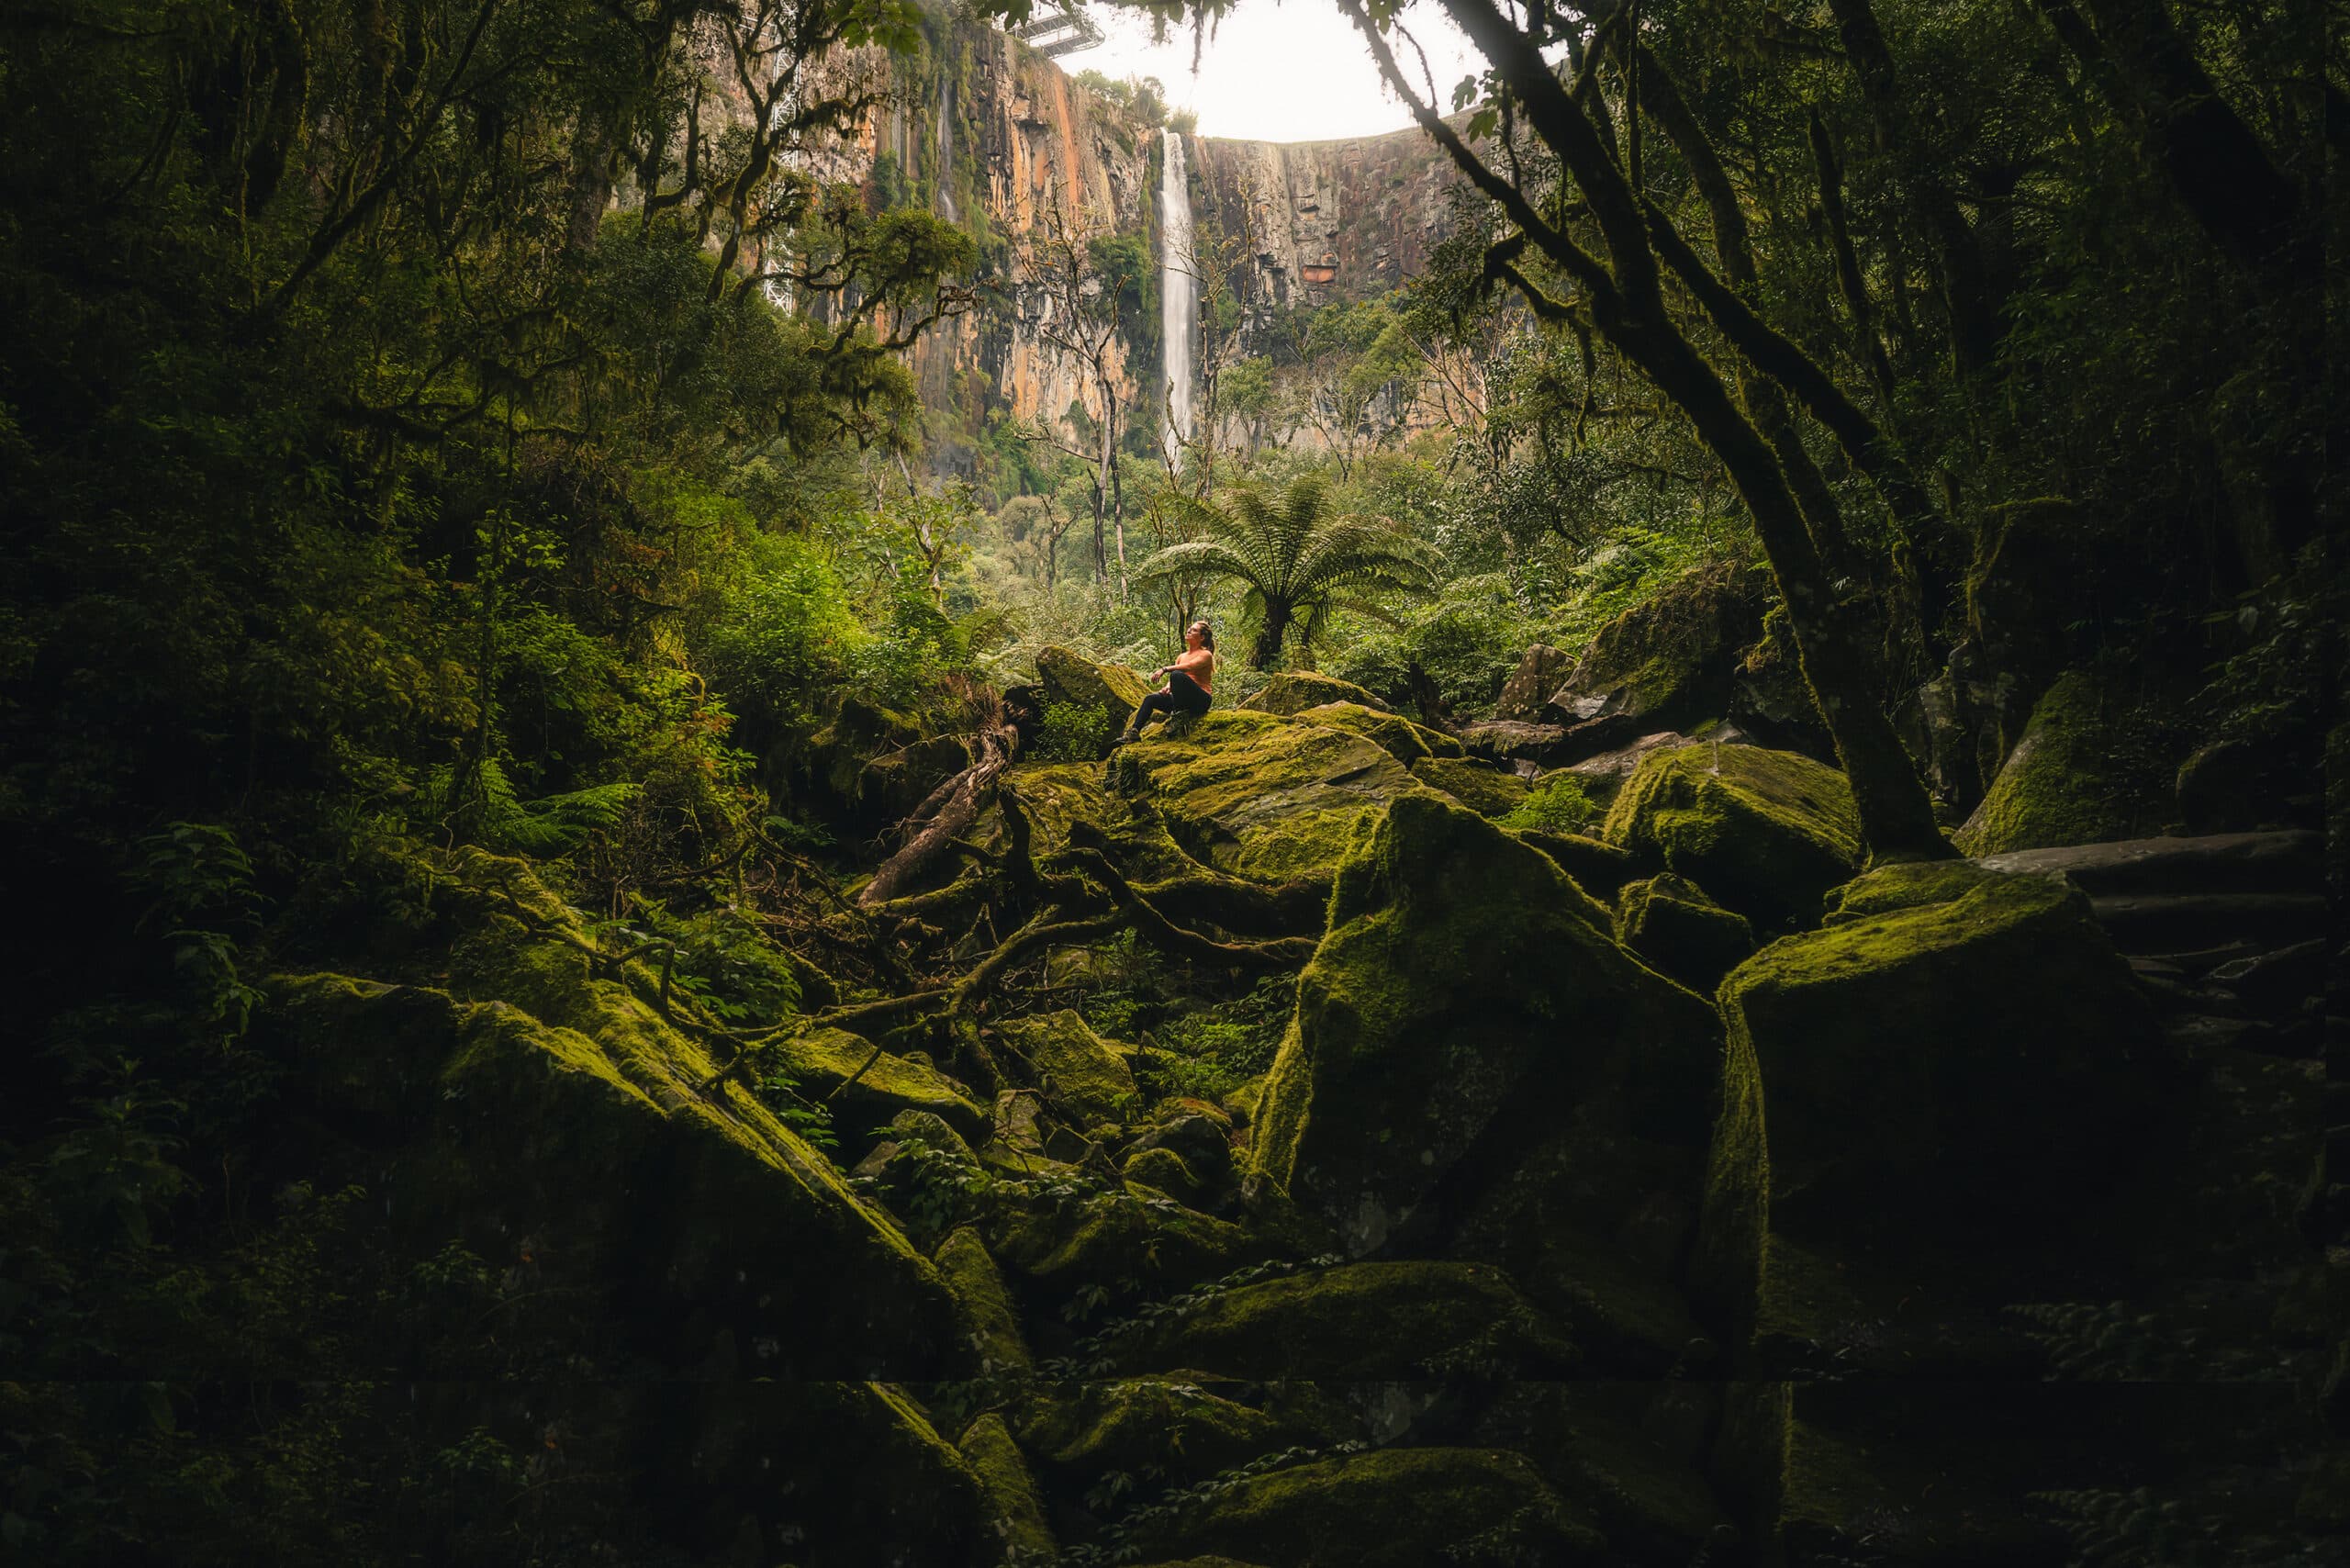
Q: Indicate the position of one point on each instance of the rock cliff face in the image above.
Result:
(988, 133)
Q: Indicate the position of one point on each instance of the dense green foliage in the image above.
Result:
(466, 429)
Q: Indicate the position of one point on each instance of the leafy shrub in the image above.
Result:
(1068, 733)
(1559, 804)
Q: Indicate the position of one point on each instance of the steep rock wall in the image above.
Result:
(987, 133)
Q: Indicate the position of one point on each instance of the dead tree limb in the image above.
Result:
(956, 812)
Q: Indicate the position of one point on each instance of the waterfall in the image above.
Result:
(1178, 290)
(945, 176)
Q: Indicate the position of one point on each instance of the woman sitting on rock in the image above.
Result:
(1190, 680)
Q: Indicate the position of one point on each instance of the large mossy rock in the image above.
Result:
(1262, 796)
(1175, 1428)
(822, 1061)
(996, 1342)
(1295, 691)
(2064, 783)
(1485, 790)
(1765, 832)
(1399, 737)
(1541, 670)
(580, 1154)
(1472, 1049)
(1665, 663)
(1075, 1067)
(1391, 1508)
(1016, 1514)
(1400, 1320)
(1671, 924)
(1104, 696)
(1960, 1068)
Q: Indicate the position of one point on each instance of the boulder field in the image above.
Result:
(1691, 1193)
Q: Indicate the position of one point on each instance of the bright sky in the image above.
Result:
(1279, 70)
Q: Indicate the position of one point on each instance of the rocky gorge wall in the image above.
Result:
(986, 132)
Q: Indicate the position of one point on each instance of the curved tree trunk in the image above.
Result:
(963, 797)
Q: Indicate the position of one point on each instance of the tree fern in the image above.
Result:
(1297, 558)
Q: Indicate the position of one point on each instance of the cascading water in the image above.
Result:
(1178, 290)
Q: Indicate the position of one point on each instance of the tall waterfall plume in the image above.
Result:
(1178, 290)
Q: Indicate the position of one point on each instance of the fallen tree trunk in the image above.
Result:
(965, 795)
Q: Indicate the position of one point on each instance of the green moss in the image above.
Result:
(1078, 1431)
(1132, 1239)
(1015, 1515)
(1164, 1170)
(1260, 796)
(591, 1162)
(1489, 791)
(820, 1060)
(1296, 691)
(1655, 1506)
(1668, 659)
(2068, 780)
(1910, 884)
(1962, 1076)
(1465, 981)
(1597, 867)
(1369, 1320)
(1075, 1068)
(1058, 796)
(1400, 738)
(987, 1309)
(1766, 833)
(1106, 694)
(1672, 925)
(1392, 1509)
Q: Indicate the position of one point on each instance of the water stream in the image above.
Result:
(1178, 290)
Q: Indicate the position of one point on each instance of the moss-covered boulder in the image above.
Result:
(1100, 697)
(1606, 1448)
(1389, 1509)
(1540, 671)
(830, 1473)
(1015, 1515)
(1293, 692)
(1468, 1018)
(1399, 737)
(1261, 796)
(2069, 779)
(1078, 1070)
(1399, 1320)
(1177, 1428)
(820, 1060)
(1598, 867)
(1766, 833)
(581, 1159)
(1128, 1238)
(1670, 923)
(1964, 1072)
(1057, 796)
(994, 1322)
(1665, 663)
(1485, 790)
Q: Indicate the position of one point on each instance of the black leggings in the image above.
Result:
(1183, 695)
